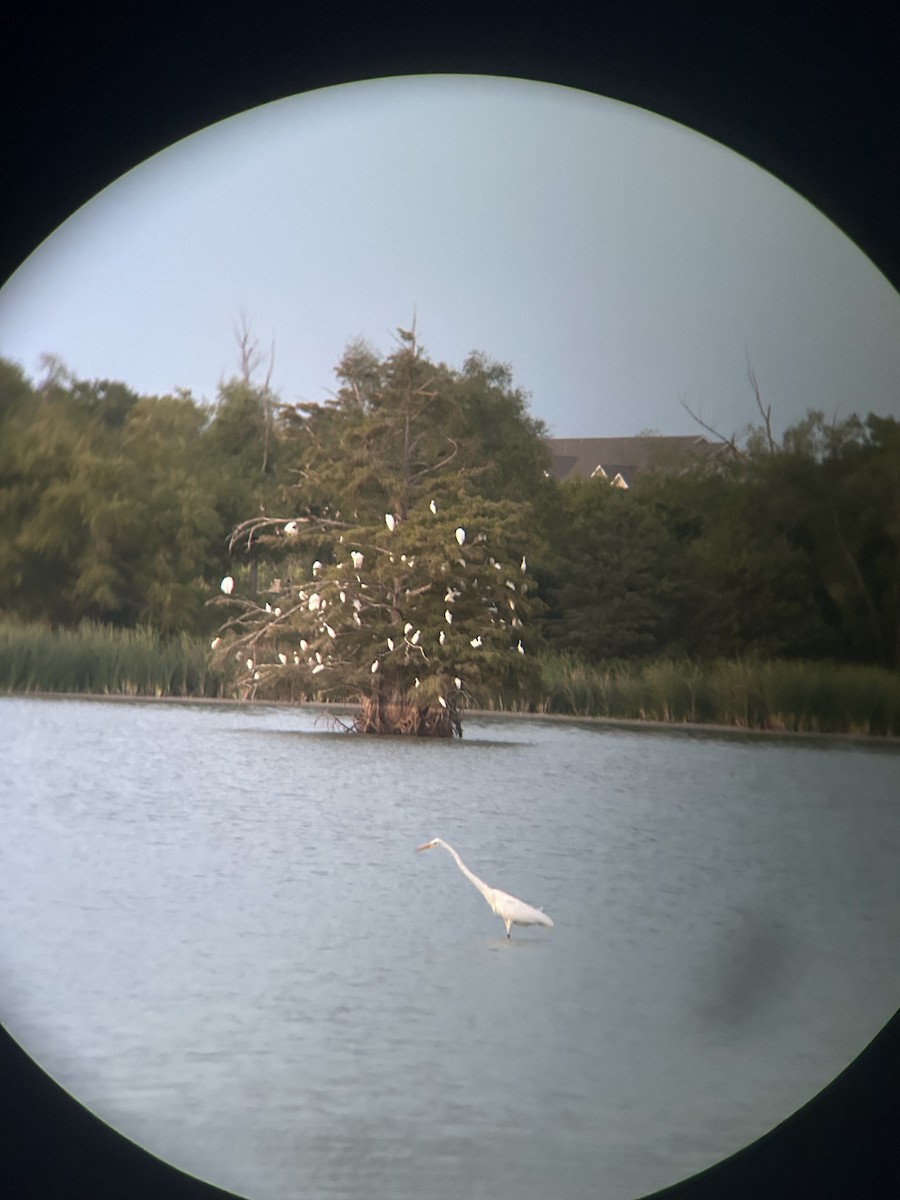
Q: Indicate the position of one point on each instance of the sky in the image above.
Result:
(623, 265)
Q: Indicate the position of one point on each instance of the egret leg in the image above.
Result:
(508, 925)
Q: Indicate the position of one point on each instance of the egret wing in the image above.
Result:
(511, 908)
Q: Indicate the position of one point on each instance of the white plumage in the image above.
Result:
(509, 909)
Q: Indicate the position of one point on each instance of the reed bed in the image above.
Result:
(102, 660)
(795, 696)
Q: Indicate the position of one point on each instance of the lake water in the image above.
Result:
(217, 935)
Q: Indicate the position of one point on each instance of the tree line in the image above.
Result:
(129, 510)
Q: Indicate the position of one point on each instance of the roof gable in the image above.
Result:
(579, 458)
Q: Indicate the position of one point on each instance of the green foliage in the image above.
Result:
(402, 426)
(749, 693)
(416, 585)
(423, 612)
(116, 508)
(98, 659)
(615, 574)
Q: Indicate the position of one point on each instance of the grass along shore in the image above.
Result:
(101, 660)
(776, 695)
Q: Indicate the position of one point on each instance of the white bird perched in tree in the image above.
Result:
(524, 565)
(433, 506)
(460, 535)
(520, 648)
(357, 559)
(227, 585)
(476, 642)
(509, 909)
(448, 616)
(282, 658)
(390, 520)
(291, 527)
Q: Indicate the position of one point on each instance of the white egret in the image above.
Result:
(433, 506)
(460, 535)
(414, 640)
(442, 637)
(357, 559)
(290, 527)
(316, 567)
(330, 631)
(448, 616)
(509, 909)
(282, 658)
(249, 664)
(476, 642)
(227, 585)
(390, 520)
(520, 648)
(523, 565)
(214, 643)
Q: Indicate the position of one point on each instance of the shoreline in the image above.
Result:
(632, 724)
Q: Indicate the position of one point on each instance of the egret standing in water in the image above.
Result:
(509, 909)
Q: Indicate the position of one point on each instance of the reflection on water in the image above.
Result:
(218, 936)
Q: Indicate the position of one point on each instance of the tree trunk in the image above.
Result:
(398, 715)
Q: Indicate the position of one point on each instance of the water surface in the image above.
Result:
(216, 934)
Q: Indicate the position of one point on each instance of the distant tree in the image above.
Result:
(614, 577)
(411, 620)
(400, 582)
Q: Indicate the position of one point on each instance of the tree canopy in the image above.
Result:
(129, 509)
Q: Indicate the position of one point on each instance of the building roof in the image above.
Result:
(581, 458)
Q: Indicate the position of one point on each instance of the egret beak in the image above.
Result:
(426, 846)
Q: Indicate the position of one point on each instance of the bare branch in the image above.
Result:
(765, 410)
(255, 527)
(436, 466)
(726, 441)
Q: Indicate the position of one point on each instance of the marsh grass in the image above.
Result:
(101, 660)
(801, 697)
